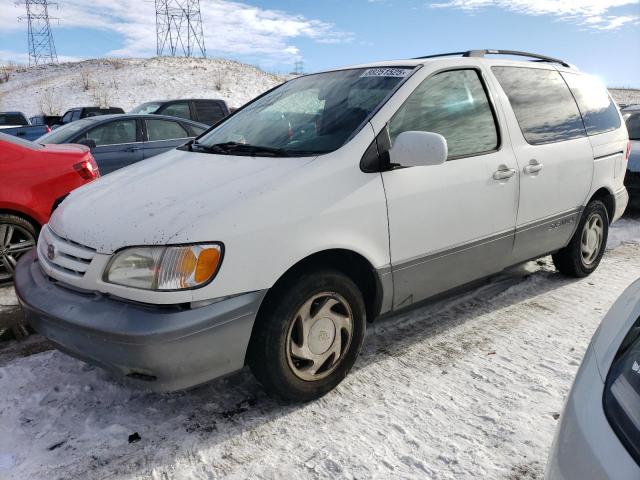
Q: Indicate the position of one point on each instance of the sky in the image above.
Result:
(601, 37)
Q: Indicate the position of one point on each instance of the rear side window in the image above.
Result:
(455, 105)
(633, 125)
(209, 112)
(598, 110)
(543, 104)
(164, 130)
(180, 110)
(76, 115)
(12, 119)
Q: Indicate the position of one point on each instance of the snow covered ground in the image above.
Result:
(469, 387)
(129, 82)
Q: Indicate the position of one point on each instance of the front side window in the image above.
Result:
(306, 116)
(543, 105)
(180, 110)
(455, 105)
(209, 112)
(598, 110)
(164, 130)
(114, 133)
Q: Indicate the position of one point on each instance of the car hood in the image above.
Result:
(174, 198)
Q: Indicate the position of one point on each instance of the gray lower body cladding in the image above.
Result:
(428, 276)
(165, 348)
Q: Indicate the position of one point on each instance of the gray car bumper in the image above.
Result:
(163, 348)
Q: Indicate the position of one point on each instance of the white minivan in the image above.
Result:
(334, 198)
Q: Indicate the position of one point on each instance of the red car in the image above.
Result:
(33, 181)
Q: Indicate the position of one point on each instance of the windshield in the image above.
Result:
(307, 116)
(151, 107)
(65, 133)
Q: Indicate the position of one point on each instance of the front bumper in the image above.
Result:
(163, 348)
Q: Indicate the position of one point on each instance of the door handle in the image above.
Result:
(533, 167)
(503, 173)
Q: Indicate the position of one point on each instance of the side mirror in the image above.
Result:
(88, 142)
(419, 149)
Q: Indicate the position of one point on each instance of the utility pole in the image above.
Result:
(179, 28)
(42, 49)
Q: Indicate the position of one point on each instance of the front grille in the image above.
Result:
(65, 256)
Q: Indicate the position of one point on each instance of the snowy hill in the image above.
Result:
(126, 83)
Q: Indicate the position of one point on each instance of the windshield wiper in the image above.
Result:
(236, 147)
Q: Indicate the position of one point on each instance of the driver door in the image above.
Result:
(453, 223)
(118, 144)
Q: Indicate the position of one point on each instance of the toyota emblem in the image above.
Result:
(51, 252)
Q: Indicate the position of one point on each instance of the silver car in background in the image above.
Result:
(599, 432)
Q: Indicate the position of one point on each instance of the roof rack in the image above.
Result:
(482, 53)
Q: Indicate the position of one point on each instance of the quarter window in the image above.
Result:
(114, 133)
(544, 106)
(599, 112)
(455, 105)
(164, 130)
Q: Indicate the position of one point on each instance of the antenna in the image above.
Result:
(42, 49)
(179, 28)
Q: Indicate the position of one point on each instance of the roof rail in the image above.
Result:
(482, 53)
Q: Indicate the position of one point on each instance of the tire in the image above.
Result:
(286, 360)
(17, 237)
(582, 256)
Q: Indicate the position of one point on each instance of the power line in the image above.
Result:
(179, 28)
(42, 49)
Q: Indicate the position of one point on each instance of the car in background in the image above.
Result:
(205, 111)
(78, 113)
(631, 116)
(120, 140)
(35, 179)
(16, 124)
(48, 120)
(598, 435)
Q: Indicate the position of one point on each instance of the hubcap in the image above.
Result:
(592, 238)
(319, 336)
(14, 242)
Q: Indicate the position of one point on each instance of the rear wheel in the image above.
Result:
(17, 237)
(583, 254)
(309, 335)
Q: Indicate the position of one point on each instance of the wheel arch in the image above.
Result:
(25, 216)
(607, 197)
(348, 262)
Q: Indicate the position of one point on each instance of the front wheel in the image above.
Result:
(309, 336)
(583, 254)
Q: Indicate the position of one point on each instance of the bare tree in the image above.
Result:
(101, 95)
(85, 80)
(218, 79)
(50, 103)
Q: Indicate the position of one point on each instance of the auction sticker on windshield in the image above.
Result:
(386, 72)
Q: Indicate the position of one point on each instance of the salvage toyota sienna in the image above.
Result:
(272, 238)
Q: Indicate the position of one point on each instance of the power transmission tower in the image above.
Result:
(298, 68)
(42, 49)
(179, 28)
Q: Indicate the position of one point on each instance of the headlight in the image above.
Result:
(165, 268)
(622, 393)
